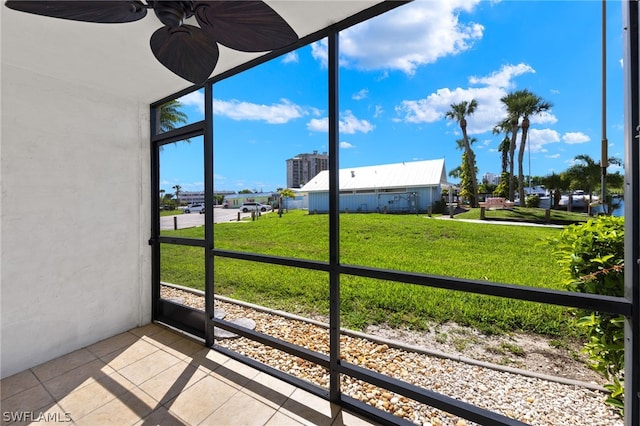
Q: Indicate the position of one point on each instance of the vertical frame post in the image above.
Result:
(631, 15)
(155, 214)
(334, 220)
(209, 289)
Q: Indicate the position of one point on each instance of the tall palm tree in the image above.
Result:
(177, 188)
(588, 172)
(459, 113)
(171, 116)
(504, 127)
(530, 105)
(463, 172)
(512, 102)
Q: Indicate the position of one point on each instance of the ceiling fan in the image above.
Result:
(188, 51)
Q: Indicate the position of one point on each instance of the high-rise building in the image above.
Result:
(303, 167)
(491, 178)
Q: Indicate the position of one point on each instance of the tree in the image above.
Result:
(177, 188)
(171, 116)
(286, 193)
(459, 112)
(530, 104)
(587, 172)
(512, 102)
(504, 127)
(555, 184)
(464, 173)
(245, 191)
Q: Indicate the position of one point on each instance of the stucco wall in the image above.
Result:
(74, 217)
(375, 202)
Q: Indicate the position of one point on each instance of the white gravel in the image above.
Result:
(531, 400)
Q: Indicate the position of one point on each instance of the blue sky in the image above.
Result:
(399, 74)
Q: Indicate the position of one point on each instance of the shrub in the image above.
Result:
(593, 255)
(532, 201)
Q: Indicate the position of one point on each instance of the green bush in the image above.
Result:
(532, 201)
(593, 255)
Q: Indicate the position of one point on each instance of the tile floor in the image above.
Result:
(154, 376)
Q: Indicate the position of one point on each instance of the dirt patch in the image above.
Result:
(560, 358)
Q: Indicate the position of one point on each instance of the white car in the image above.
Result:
(247, 207)
(194, 208)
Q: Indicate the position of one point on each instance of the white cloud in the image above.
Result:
(349, 124)
(490, 110)
(279, 113)
(575, 138)
(291, 57)
(552, 156)
(405, 38)
(346, 145)
(378, 111)
(362, 94)
(538, 138)
(194, 99)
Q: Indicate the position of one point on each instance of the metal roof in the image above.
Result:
(399, 175)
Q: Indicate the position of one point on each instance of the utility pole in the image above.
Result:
(604, 156)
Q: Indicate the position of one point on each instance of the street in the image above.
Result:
(189, 220)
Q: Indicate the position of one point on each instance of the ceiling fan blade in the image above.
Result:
(248, 26)
(186, 51)
(103, 11)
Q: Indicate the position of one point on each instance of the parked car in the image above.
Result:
(247, 207)
(194, 208)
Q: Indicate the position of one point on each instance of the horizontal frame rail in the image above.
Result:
(593, 302)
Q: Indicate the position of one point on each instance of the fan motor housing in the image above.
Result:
(172, 13)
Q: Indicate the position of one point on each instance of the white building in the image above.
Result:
(303, 167)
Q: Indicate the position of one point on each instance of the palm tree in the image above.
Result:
(463, 172)
(588, 172)
(530, 105)
(171, 116)
(177, 188)
(459, 112)
(512, 103)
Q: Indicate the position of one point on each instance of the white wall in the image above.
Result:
(75, 264)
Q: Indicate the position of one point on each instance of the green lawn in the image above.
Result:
(527, 214)
(504, 254)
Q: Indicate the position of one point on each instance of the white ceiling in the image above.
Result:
(117, 58)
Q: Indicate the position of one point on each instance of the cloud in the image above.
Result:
(378, 111)
(291, 57)
(403, 39)
(349, 124)
(552, 156)
(279, 113)
(573, 138)
(346, 145)
(538, 138)
(194, 99)
(490, 110)
(362, 94)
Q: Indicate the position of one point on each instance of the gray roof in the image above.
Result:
(400, 175)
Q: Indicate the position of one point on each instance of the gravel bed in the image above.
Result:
(531, 400)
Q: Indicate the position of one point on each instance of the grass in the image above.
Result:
(170, 212)
(504, 254)
(528, 215)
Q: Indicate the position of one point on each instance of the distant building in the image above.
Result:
(403, 187)
(491, 178)
(236, 200)
(197, 197)
(303, 167)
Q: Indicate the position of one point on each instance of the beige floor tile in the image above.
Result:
(93, 396)
(17, 383)
(127, 409)
(132, 353)
(241, 409)
(148, 367)
(147, 330)
(61, 365)
(161, 417)
(344, 418)
(163, 338)
(34, 399)
(117, 342)
(172, 381)
(197, 402)
(280, 419)
(235, 373)
(54, 415)
(209, 360)
(184, 348)
(77, 378)
(309, 409)
(268, 389)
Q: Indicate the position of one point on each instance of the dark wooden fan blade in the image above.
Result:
(248, 26)
(187, 51)
(101, 11)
